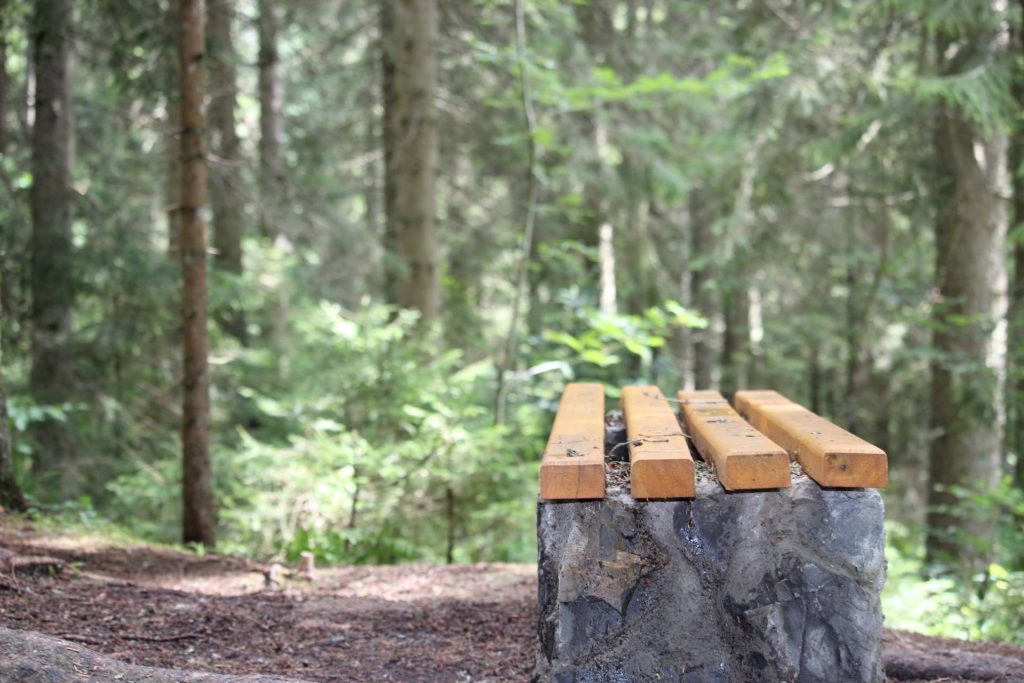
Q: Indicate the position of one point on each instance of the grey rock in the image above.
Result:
(27, 657)
(728, 587)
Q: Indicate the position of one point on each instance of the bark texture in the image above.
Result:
(409, 57)
(52, 280)
(271, 177)
(970, 233)
(199, 518)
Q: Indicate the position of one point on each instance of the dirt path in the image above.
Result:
(162, 608)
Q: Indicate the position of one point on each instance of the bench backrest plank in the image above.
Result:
(573, 463)
(828, 453)
(744, 458)
(661, 464)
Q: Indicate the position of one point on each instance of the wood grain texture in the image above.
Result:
(661, 464)
(573, 463)
(828, 453)
(744, 458)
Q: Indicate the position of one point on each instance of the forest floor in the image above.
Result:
(165, 608)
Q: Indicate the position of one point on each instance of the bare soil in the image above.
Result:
(163, 608)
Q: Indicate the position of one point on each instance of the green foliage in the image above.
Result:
(988, 605)
(607, 337)
(373, 447)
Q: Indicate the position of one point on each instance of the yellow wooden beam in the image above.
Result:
(573, 463)
(829, 454)
(661, 464)
(743, 457)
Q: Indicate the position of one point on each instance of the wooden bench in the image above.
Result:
(829, 454)
(660, 462)
(744, 459)
(747, 455)
(573, 464)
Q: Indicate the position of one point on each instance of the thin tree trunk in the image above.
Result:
(526, 247)
(4, 79)
(225, 179)
(449, 554)
(597, 33)
(606, 253)
(853, 326)
(172, 186)
(52, 281)
(676, 265)
(409, 56)
(172, 142)
(11, 498)
(272, 180)
(199, 516)
(271, 177)
(1016, 161)
(969, 233)
(371, 191)
(736, 337)
(701, 250)
(814, 378)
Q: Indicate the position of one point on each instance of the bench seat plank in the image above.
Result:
(573, 464)
(744, 458)
(828, 453)
(661, 464)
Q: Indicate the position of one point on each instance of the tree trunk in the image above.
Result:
(4, 79)
(52, 281)
(969, 235)
(736, 337)
(409, 56)
(271, 178)
(701, 250)
(1016, 158)
(371, 189)
(172, 187)
(854, 325)
(449, 551)
(199, 517)
(11, 498)
(172, 141)
(594, 20)
(225, 178)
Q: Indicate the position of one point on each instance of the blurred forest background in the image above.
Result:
(426, 216)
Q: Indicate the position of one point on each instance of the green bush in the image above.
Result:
(373, 446)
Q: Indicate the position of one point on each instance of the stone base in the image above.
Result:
(729, 587)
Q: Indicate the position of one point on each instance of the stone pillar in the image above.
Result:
(765, 586)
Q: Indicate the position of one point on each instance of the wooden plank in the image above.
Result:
(573, 463)
(661, 464)
(744, 458)
(828, 453)
(745, 399)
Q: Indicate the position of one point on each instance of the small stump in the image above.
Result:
(779, 585)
